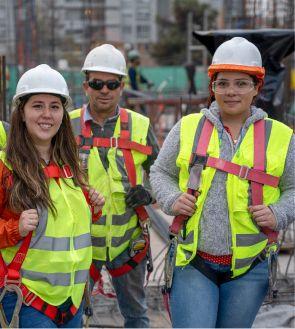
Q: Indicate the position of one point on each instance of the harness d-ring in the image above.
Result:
(14, 323)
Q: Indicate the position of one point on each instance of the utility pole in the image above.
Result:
(52, 23)
(189, 36)
(2, 88)
(274, 13)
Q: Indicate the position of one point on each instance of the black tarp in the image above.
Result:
(274, 45)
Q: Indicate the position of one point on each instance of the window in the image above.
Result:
(143, 31)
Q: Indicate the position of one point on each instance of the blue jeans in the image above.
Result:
(197, 302)
(29, 317)
(130, 292)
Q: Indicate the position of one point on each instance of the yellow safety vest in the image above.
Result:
(57, 263)
(118, 224)
(247, 240)
(3, 134)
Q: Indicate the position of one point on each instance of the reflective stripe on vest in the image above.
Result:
(244, 231)
(60, 253)
(118, 224)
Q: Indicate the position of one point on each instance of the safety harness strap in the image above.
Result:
(55, 171)
(86, 141)
(129, 162)
(201, 150)
(259, 164)
(11, 274)
(256, 176)
(132, 262)
(59, 317)
(113, 142)
(97, 278)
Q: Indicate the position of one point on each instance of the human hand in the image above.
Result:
(185, 205)
(138, 196)
(96, 200)
(263, 216)
(28, 222)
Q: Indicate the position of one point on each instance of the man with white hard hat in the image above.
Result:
(116, 145)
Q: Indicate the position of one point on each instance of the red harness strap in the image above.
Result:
(201, 150)
(55, 171)
(259, 164)
(86, 141)
(97, 277)
(113, 142)
(10, 274)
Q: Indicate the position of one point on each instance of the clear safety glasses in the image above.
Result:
(242, 86)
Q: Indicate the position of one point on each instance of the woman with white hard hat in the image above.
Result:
(45, 244)
(226, 174)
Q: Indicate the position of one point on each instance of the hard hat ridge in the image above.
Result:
(105, 58)
(237, 54)
(133, 54)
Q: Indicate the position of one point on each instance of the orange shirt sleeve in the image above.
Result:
(9, 231)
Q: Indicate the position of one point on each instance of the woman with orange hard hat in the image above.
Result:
(227, 176)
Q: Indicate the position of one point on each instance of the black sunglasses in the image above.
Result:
(99, 84)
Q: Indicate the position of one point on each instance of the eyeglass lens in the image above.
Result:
(239, 86)
(99, 84)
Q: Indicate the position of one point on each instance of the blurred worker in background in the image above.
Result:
(116, 146)
(45, 239)
(135, 78)
(190, 69)
(227, 174)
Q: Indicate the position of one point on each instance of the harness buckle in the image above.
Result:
(114, 142)
(7, 281)
(243, 173)
(67, 171)
(198, 159)
(29, 298)
(85, 141)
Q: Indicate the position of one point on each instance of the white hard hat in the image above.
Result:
(42, 79)
(237, 54)
(105, 58)
(132, 54)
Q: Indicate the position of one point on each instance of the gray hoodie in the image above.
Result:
(214, 229)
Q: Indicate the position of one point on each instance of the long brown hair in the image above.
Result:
(30, 189)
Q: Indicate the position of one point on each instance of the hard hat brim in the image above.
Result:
(257, 71)
(42, 91)
(103, 69)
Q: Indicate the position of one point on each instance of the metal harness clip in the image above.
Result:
(114, 142)
(243, 173)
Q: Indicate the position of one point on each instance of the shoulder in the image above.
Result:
(279, 129)
(137, 116)
(279, 124)
(193, 118)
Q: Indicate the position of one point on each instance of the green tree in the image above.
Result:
(171, 47)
